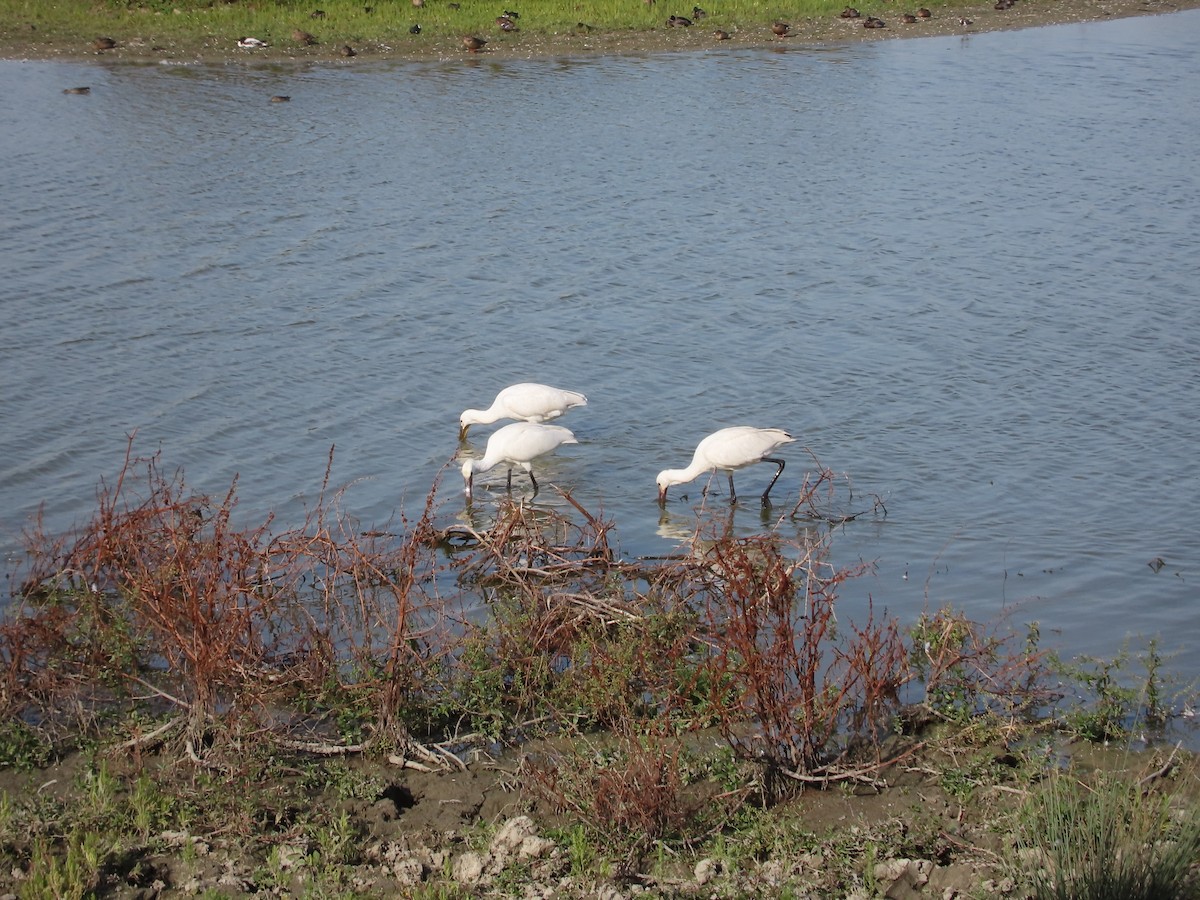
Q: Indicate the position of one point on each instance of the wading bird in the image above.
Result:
(527, 401)
(518, 444)
(729, 449)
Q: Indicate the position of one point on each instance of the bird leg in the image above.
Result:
(779, 462)
(531, 478)
(732, 492)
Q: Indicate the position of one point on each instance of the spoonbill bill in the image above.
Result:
(729, 449)
(518, 444)
(528, 401)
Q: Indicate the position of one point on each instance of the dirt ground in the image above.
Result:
(18, 42)
(937, 825)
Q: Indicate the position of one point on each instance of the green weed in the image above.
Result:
(66, 870)
(1112, 699)
(22, 747)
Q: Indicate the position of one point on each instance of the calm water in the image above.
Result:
(963, 271)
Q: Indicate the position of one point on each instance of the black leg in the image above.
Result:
(732, 492)
(535, 484)
(779, 462)
(510, 480)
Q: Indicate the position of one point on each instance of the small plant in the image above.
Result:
(1110, 840)
(22, 747)
(151, 808)
(630, 798)
(1108, 708)
(967, 670)
(336, 842)
(68, 872)
(581, 850)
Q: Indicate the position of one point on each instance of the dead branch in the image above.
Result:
(150, 738)
(1164, 768)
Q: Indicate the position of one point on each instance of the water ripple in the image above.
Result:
(977, 302)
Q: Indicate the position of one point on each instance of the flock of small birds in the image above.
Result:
(507, 22)
(784, 29)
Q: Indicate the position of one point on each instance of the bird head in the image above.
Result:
(664, 482)
(468, 418)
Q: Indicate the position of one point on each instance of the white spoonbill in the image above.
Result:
(527, 401)
(729, 449)
(518, 444)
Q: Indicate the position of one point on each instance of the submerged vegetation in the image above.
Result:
(238, 710)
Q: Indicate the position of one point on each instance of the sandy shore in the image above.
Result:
(18, 41)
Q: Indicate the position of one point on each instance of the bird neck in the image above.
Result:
(682, 476)
(479, 416)
(479, 466)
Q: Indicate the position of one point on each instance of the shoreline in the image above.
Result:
(961, 19)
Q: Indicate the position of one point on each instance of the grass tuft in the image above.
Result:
(1111, 840)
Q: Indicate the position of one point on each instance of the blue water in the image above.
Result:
(963, 271)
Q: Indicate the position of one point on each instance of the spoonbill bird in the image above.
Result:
(518, 444)
(527, 401)
(729, 449)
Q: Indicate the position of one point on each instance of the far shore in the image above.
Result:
(20, 41)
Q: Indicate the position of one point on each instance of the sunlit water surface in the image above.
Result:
(963, 271)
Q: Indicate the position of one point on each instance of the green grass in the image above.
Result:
(1112, 839)
(370, 24)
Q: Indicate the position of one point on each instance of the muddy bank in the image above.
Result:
(942, 824)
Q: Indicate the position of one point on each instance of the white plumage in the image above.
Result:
(518, 444)
(726, 450)
(251, 43)
(528, 402)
